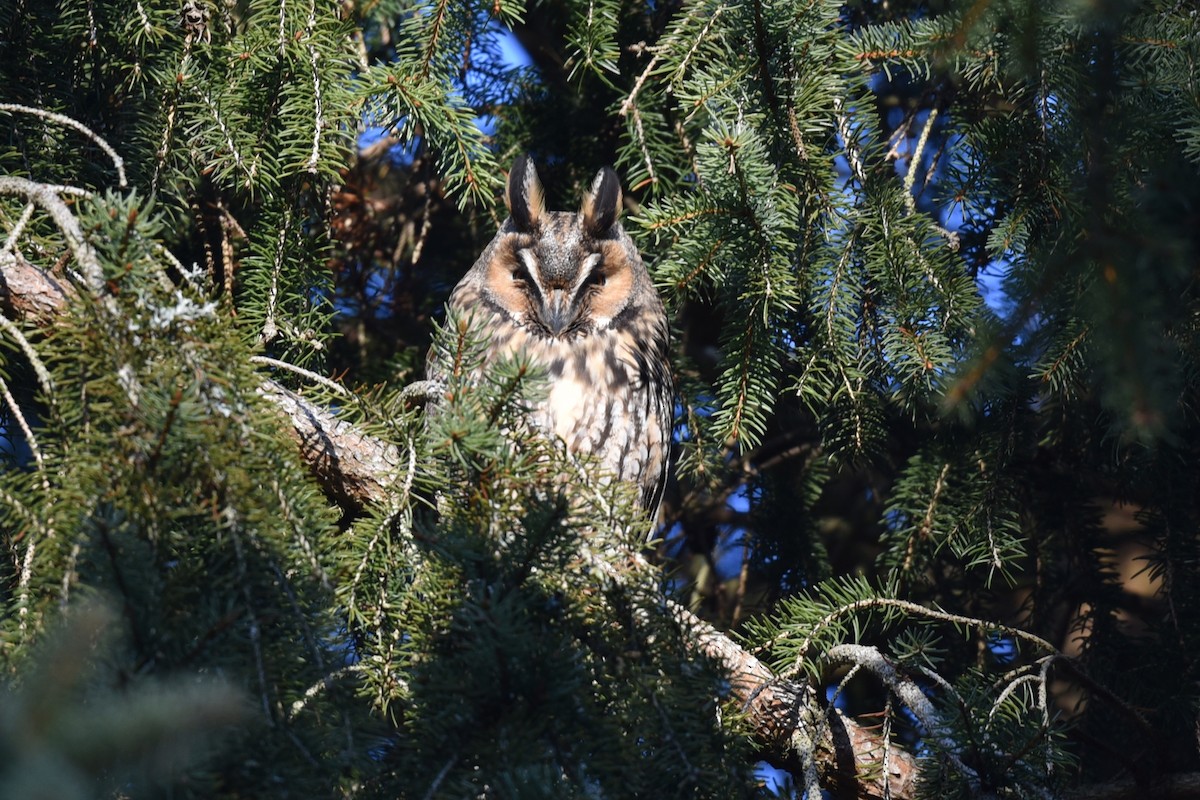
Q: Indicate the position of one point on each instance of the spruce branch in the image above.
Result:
(313, 691)
(926, 528)
(640, 130)
(270, 328)
(168, 132)
(247, 165)
(435, 27)
(849, 141)
(39, 368)
(256, 643)
(869, 658)
(47, 196)
(310, 166)
(296, 523)
(63, 119)
(914, 161)
(26, 576)
(699, 11)
(915, 609)
(763, 55)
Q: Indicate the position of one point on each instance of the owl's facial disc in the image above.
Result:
(558, 281)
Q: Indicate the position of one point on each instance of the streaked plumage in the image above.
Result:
(570, 290)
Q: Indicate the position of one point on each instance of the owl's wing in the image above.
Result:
(661, 408)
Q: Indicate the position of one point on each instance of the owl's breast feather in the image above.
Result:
(602, 396)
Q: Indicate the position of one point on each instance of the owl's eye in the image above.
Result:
(596, 278)
(521, 276)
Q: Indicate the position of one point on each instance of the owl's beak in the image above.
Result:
(556, 311)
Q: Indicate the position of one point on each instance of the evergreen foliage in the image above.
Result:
(932, 271)
(517, 650)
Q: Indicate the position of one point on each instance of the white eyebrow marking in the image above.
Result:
(528, 259)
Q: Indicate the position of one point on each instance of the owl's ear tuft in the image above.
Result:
(523, 195)
(602, 204)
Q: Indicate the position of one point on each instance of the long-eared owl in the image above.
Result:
(570, 291)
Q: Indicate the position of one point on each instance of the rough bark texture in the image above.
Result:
(850, 758)
(352, 468)
(27, 292)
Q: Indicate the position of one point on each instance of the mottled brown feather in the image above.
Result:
(570, 291)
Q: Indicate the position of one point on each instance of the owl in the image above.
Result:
(570, 292)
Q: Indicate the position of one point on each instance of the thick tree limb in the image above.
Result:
(352, 468)
(780, 711)
(27, 292)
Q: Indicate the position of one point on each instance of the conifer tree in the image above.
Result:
(933, 524)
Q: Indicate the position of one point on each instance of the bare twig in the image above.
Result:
(63, 119)
(15, 233)
(308, 374)
(441, 776)
(39, 368)
(36, 451)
